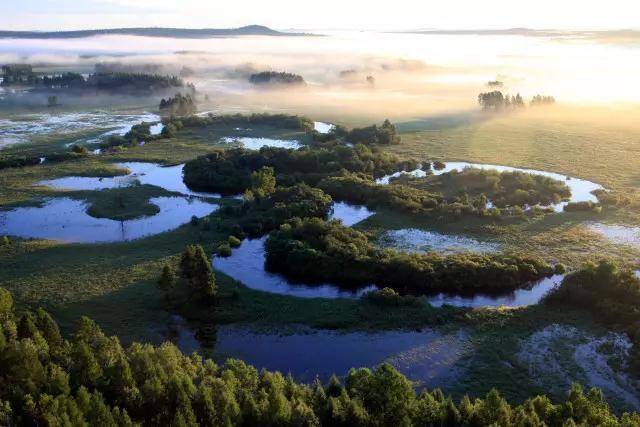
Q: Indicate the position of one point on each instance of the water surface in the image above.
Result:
(168, 177)
(66, 220)
(427, 357)
(581, 190)
(256, 143)
(619, 234)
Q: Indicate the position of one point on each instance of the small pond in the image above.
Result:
(322, 127)
(619, 234)
(581, 190)
(66, 220)
(427, 357)
(414, 240)
(256, 143)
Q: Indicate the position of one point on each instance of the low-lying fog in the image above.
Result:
(414, 74)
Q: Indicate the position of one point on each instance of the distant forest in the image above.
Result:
(187, 33)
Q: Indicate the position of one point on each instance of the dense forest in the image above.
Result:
(313, 250)
(91, 379)
(229, 171)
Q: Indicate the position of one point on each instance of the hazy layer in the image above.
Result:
(414, 74)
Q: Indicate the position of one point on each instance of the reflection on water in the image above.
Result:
(581, 190)
(349, 214)
(66, 220)
(517, 298)
(246, 264)
(427, 357)
(167, 177)
(414, 240)
(256, 143)
(619, 234)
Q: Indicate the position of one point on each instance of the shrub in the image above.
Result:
(234, 242)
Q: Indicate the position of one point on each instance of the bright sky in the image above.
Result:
(347, 14)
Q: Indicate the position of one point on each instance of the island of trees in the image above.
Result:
(496, 100)
(104, 82)
(276, 78)
(179, 105)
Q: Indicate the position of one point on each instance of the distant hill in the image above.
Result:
(180, 33)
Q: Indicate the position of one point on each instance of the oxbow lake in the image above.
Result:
(581, 190)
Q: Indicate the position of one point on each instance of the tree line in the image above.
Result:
(495, 100)
(91, 379)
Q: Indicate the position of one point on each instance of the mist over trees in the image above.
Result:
(179, 105)
(276, 78)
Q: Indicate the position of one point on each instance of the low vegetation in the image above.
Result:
(610, 293)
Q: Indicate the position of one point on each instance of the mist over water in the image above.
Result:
(414, 74)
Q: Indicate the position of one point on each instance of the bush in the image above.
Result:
(586, 206)
(234, 242)
(389, 297)
(223, 250)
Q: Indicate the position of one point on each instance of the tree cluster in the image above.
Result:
(542, 100)
(503, 189)
(496, 100)
(179, 105)
(276, 78)
(280, 121)
(385, 134)
(259, 216)
(229, 171)
(91, 379)
(316, 251)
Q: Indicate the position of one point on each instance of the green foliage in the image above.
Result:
(229, 171)
(503, 189)
(224, 250)
(167, 278)
(259, 216)
(384, 134)
(263, 183)
(93, 380)
(195, 266)
(313, 250)
(5, 241)
(389, 297)
(280, 121)
(234, 242)
(586, 206)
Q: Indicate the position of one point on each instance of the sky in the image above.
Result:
(325, 14)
